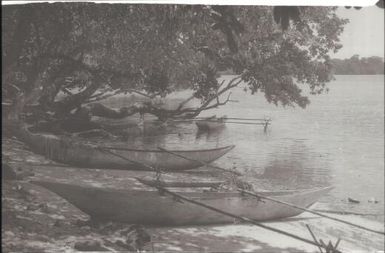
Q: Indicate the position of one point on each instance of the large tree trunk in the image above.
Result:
(22, 32)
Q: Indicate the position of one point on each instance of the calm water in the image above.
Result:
(337, 140)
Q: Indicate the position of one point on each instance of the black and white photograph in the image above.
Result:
(156, 126)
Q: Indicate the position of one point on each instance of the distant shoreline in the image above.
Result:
(355, 65)
(227, 73)
(359, 74)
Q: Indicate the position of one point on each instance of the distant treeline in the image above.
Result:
(359, 66)
(355, 65)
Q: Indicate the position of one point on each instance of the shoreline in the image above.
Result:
(57, 228)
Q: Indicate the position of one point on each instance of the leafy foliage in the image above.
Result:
(65, 54)
(380, 4)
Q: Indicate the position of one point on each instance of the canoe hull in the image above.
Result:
(211, 123)
(83, 155)
(151, 208)
(207, 125)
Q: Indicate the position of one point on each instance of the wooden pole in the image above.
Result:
(201, 162)
(348, 212)
(181, 184)
(225, 122)
(309, 211)
(247, 119)
(42, 164)
(129, 160)
(314, 238)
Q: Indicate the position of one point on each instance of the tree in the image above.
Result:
(64, 56)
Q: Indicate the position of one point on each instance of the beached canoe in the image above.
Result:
(181, 184)
(211, 123)
(70, 151)
(152, 208)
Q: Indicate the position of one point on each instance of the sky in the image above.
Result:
(364, 34)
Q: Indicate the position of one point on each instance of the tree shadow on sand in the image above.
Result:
(203, 240)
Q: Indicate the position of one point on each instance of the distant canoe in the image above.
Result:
(186, 184)
(69, 151)
(152, 208)
(211, 123)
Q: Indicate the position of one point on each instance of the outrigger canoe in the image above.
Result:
(211, 123)
(149, 207)
(69, 151)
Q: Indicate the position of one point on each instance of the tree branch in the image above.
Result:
(205, 106)
(183, 103)
(65, 90)
(143, 94)
(101, 96)
(161, 113)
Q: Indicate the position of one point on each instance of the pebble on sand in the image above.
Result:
(373, 200)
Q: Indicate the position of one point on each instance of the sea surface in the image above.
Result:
(338, 140)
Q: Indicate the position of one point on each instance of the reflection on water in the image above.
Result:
(209, 135)
(296, 167)
(338, 140)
